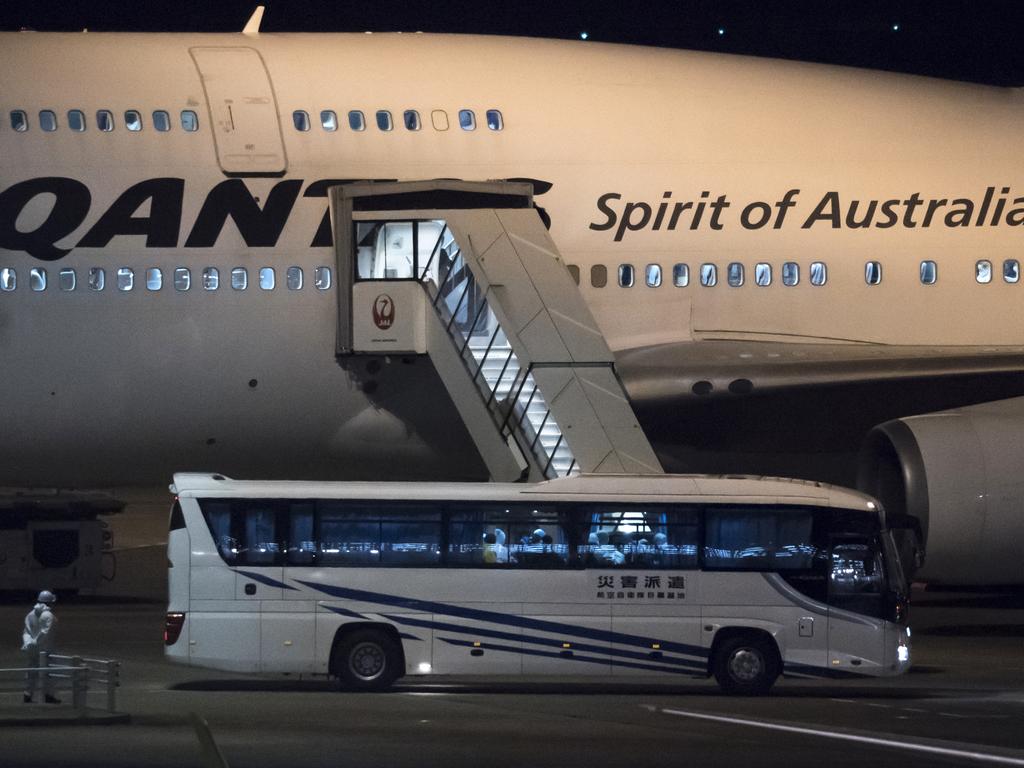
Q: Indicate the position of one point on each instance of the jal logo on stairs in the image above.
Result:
(383, 311)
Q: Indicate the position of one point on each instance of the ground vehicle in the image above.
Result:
(742, 578)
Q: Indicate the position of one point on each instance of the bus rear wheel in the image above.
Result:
(746, 665)
(366, 660)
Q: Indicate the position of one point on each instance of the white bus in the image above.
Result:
(740, 578)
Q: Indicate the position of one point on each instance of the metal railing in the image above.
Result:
(509, 391)
(74, 675)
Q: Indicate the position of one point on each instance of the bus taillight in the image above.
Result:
(172, 627)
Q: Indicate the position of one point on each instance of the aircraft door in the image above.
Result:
(243, 111)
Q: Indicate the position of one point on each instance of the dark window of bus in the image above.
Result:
(467, 120)
(658, 536)
(574, 272)
(872, 273)
(48, 120)
(515, 535)
(929, 273)
(599, 275)
(161, 121)
(300, 546)
(790, 273)
(19, 120)
(353, 533)
(225, 535)
(260, 544)
(1011, 270)
(189, 121)
(412, 120)
(105, 120)
(300, 118)
(76, 120)
(625, 275)
(384, 122)
(328, 120)
(759, 539)
(356, 120)
(133, 120)
(494, 120)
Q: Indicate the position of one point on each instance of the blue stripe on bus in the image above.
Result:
(558, 655)
(494, 617)
(345, 612)
(265, 580)
(690, 664)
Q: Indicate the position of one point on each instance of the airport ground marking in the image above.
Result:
(872, 740)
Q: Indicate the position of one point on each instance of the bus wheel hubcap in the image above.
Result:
(745, 665)
(367, 661)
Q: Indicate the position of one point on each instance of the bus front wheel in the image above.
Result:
(366, 660)
(746, 665)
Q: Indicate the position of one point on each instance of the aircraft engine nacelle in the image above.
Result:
(958, 477)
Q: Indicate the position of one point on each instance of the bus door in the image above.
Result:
(856, 597)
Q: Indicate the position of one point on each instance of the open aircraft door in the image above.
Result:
(246, 127)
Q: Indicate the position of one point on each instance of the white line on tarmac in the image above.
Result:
(873, 740)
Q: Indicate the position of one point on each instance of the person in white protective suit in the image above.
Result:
(37, 637)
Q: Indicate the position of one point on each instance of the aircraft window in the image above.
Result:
(154, 279)
(182, 279)
(67, 280)
(189, 121)
(293, 278)
(626, 275)
(105, 120)
(439, 118)
(819, 273)
(328, 120)
(708, 275)
(929, 272)
(681, 275)
(8, 279)
(97, 278)
(494, 120)
(239, 278)
(467, 120)
(76, 120)
(872, 273)
(267, 279)
(356, 121)
(161, 121)
(763, 274)
(48, 120)
(983, 271)
(412, 120)
(735, 274)
(1011, 270)
(211, 278)
(653, 275)
(37, 279)
(125, 279)
(574, 272)
(384, 120)
(599, 275)
(322, 278)
(133, 120)
(19, 120)
(301, 120)
(790, 273)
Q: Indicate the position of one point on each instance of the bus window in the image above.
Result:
(758, 539)
(261, 545)
(856, 578)
(301, 547)
(394, 534)
(218, 518)
(517, 535)
(639, 537)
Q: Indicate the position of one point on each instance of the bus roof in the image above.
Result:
(705, 488)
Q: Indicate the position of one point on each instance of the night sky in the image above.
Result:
(979, 41)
